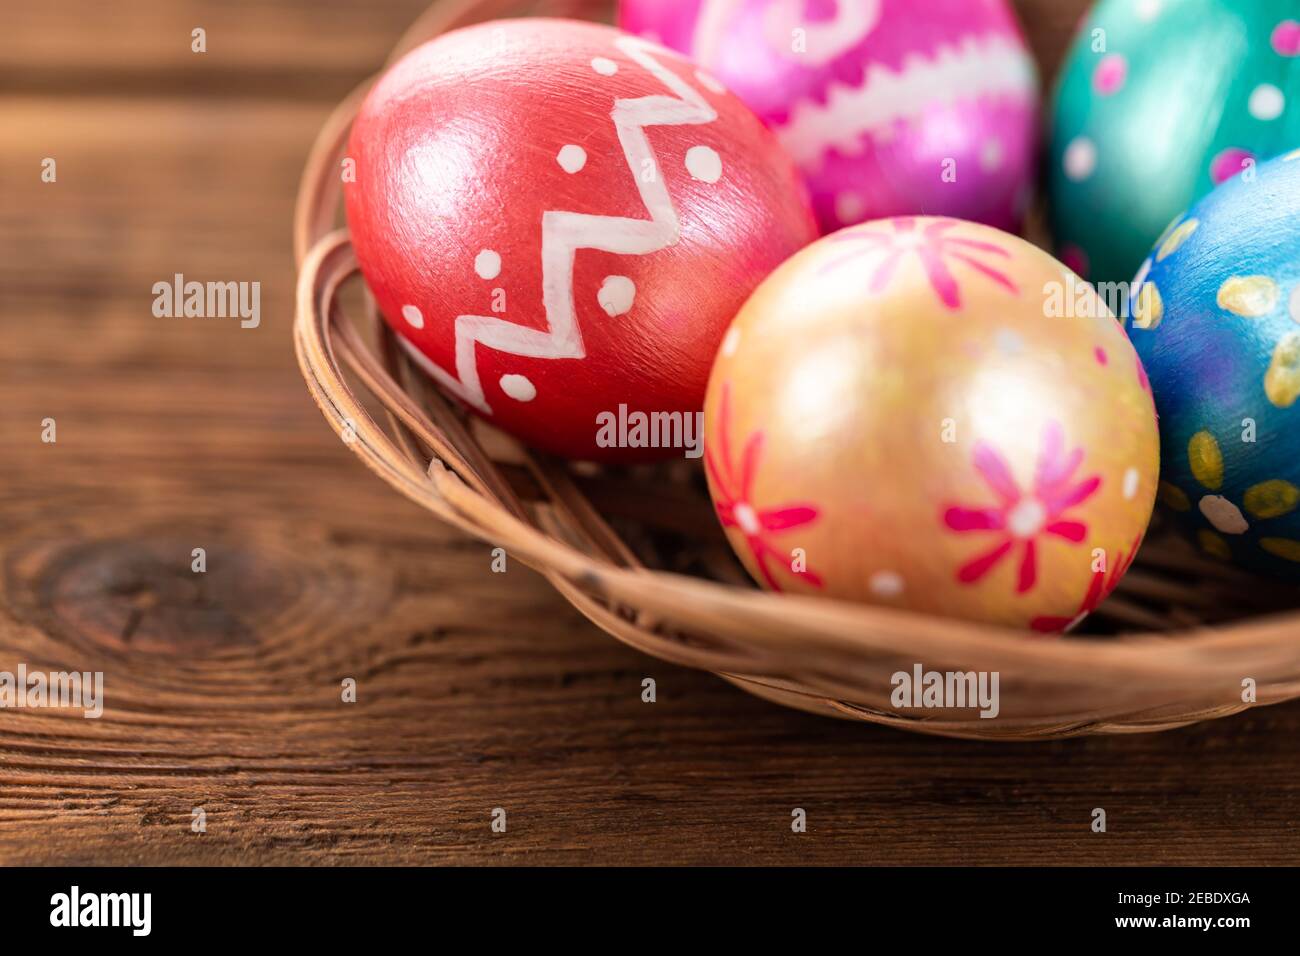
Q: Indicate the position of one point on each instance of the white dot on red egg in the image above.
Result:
(616, 295)
(704, 163)
(571, 158)
(1131, 481)
(604, 66)
(886, 584)
(414, 317)
(1080, 158)
(518, 387)
(487, 264)
(1267, 102)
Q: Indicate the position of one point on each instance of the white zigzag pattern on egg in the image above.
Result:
(564, 233)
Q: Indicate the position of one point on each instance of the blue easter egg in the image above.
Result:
(1215, 318)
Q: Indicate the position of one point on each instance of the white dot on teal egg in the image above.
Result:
(1267, 102)
(1080, 158)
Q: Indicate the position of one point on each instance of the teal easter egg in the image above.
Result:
(1216, 322)
(1158, 102)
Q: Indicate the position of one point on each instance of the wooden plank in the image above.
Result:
(476, 689)
(305, 48)
(146, 188)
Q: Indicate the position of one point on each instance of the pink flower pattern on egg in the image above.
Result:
(1022, 518)
(1102, 584)
(734, 497)
(889, 107)
(934, 249)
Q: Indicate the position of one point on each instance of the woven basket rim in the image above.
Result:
(819, 654)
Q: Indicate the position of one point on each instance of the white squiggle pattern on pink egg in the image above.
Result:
(980, 66)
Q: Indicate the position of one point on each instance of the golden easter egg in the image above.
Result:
(934, 415)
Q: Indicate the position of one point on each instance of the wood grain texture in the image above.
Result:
(476, 690)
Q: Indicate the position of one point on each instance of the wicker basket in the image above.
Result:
(1173, 645)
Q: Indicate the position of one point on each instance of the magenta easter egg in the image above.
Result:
(889, 107)
(560, 219)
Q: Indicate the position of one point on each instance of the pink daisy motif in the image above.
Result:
(733, 497)
(931, 245)
(1023, 518)
(1099, 589)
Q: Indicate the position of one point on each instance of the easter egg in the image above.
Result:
(1217, 323)
(1158, 102)
(897, 417)
(889, 107)
(560, 219)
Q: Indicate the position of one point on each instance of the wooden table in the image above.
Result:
(475, 690)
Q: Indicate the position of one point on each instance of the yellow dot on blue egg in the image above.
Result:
(1213, 545)
(1176, 238)
(1206, 460)
(1282, 380)
(1149, 308)
(1248, 296)
(1174, 497)
(1271, 499)
(1284, 548)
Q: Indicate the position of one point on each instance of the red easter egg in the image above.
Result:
(561, 219)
